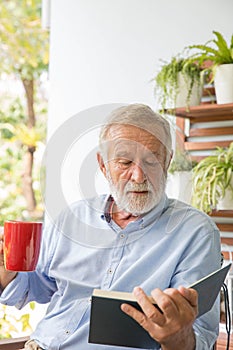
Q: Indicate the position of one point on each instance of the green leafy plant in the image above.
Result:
(181, 162)
(15, 137)
(211, 177)
(24, 54)
(167, 80)
(215, 51)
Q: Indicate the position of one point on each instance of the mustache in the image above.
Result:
(146, 186)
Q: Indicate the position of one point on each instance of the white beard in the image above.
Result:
(137, 204)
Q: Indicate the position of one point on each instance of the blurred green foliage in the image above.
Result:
(13, 140)
(24, 57)
(24, 45)
(12, 323)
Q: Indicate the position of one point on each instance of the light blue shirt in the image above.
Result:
(172, 245)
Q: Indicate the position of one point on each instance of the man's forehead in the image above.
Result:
(126, 132)
(126, 145)
(131, 150)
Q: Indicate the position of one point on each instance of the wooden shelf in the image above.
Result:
(202, 146)
(222, 213)
(226, 226)
(12, 343)
(206, 112)
(210, 131)
(196, 136)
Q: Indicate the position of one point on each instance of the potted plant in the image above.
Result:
(178, 83)
(213, 179)
(179, 183)
(220, 55)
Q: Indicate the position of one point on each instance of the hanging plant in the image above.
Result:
(167, 81)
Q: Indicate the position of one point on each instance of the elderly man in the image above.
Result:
(134, 239)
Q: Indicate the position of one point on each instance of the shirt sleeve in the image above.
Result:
(35, 285)
(206, 342)
(201, 257)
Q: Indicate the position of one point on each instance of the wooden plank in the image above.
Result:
(199, 146)
(222, 340)
(227, 255)
(227, 240)
(198, 132)
(222, 213)
(196, 158)
(208, 110)
(225, 227)
(13, 343)
(208, 91)
(210, 118)
(180, 135)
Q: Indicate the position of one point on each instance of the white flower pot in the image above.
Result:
(226, 203)
(179, 186)
(181, 98)
(223, 83)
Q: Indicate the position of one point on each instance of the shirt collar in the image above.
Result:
(146, 219)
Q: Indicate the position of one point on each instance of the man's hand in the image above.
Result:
(171, 323)
(5, 276)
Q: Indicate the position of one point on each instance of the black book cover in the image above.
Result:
(111, 326)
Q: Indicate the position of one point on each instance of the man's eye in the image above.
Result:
(124, 163)
(151, 162)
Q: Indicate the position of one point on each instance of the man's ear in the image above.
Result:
(101, 163)
(169, 162)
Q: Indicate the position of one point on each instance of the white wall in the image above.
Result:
(107, 51)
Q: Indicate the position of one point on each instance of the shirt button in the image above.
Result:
(122, 235)
(110, 270)
(67, 332)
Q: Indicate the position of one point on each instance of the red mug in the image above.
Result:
(21, 245)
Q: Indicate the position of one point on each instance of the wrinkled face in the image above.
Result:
(135, 168)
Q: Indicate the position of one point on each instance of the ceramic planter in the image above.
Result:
(179, 186)
(223, 83)
(226, 203)
(196, 93)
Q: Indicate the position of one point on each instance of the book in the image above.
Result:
(109, 325)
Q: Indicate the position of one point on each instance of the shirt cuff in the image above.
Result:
(201, 343)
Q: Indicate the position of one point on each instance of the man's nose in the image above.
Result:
(137, 173)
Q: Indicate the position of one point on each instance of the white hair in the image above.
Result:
(143, 117)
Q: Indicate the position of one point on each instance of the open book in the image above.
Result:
(111, 326)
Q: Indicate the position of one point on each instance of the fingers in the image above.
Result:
(1, 247)
(1, 232)
(169, 306)
(170, 318)
(186, 302)
(166, 303)
(149, 307)
(150, 318)
(190, 295)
